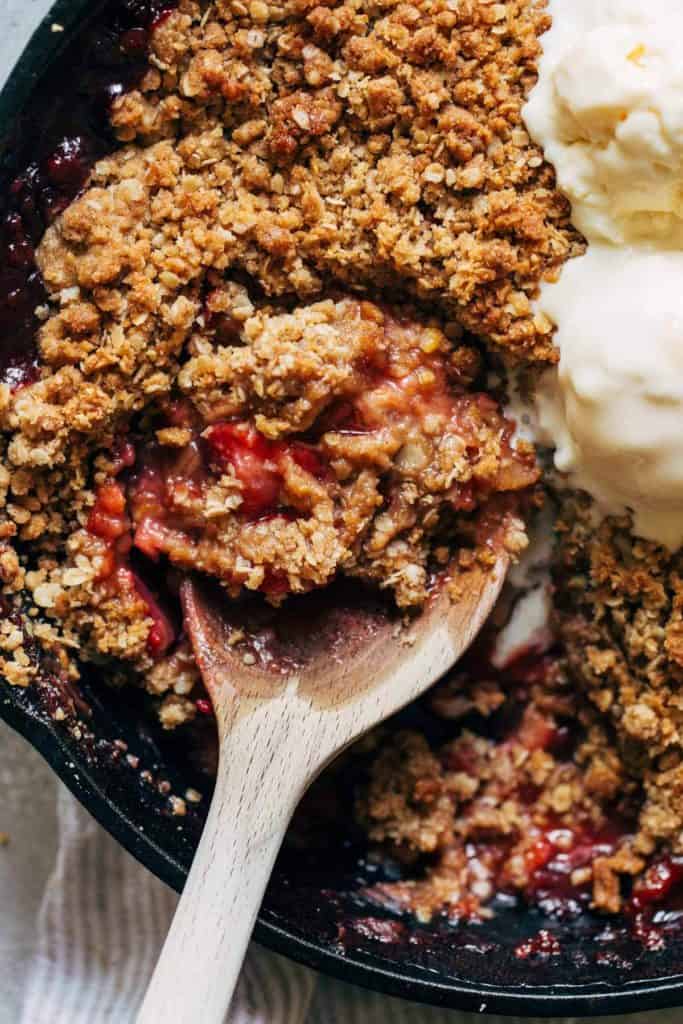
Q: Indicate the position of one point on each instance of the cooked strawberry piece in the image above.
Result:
(254, 461)
(162, 633)
(107, 563)
(108, 515)
(538, 854)
(307, 458)
(228, 439)
(657, 882)
(111, 499)
(464, 497)
(148, 509)
(150, 537)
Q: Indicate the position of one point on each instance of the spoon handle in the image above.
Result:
(254, 799)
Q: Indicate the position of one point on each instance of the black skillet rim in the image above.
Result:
(367, 970)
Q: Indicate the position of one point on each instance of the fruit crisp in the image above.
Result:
(266, 338)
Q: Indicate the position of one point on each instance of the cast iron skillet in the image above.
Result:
(107, 753)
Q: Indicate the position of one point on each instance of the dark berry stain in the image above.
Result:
(53, 147)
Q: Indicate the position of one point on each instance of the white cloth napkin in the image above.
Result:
(100, 927)
(101, 923)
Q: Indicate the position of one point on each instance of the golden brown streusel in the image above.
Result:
(330, 180)
(380, 144)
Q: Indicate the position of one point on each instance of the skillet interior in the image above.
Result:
(313, 912)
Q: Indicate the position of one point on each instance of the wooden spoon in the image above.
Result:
(286, 701)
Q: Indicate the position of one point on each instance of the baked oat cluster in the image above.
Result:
(276, 321)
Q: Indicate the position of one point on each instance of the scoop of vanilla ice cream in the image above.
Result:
(614, 406)
(608, 110)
